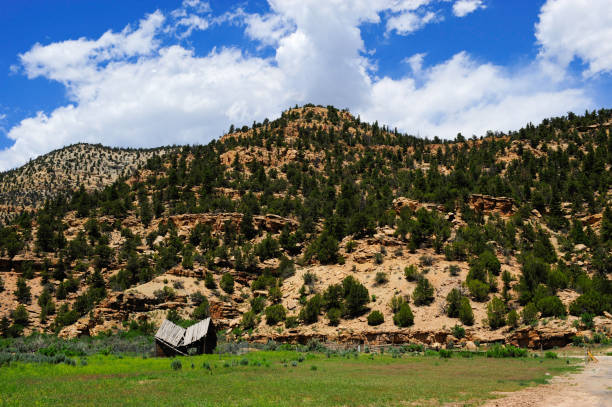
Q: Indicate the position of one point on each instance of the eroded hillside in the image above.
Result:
(317, 225)
(91, 166)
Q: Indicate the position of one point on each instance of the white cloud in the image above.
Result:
(416, 62)
(409, 22)
(461, 95)
(462, 8)
(268, 29)
(127, 89)
(576, 28)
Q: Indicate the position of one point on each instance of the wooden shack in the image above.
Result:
(172, 340)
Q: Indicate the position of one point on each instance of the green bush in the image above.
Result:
(202, 311)
(249, 320)
(396, 303)
(310, 312)
(466, 315)
(209, 281)
(587, 320)
(512, 318)
(356, 296)
(423, 293)
(529, 315)
(23, 291)
(496, 313)
(411, 273)
(227, 283)
(375, 318)
(275, 314)
(20, 315)
(176, 364)
(445, 353)
(453, 303)
(291, 322)
(551, 355)
(458, 331)
(551, 306)
(333, 315)
(381, 278)
(258, 304)
(508, 351)
(478, 290)
(404, 317)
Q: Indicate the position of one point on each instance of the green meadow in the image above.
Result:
(272, 378)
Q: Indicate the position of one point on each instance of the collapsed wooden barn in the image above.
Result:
(172, 340)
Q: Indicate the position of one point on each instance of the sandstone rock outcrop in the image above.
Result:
(490, 204)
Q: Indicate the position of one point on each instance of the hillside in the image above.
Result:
(317, 225)
(66, 169)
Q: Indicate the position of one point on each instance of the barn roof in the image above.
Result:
(170, 333)
(196, 332)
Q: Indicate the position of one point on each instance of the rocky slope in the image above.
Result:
(66, 169)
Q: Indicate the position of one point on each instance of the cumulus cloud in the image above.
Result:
(569, 29)
(127, 89)
(409, 22)
(462, 8)
(461, 95)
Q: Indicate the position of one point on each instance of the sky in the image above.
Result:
(147, 73)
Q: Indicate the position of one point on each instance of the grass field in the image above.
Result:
(278, 378)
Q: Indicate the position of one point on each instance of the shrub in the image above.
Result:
(591, 302)
(396, 303)
(258, 304)
(309, 278)
(201, 311)
(227, 283)
(551, 355)
(508, 351)
(291, 322)
(378, 258)
(275, 314)
(173, 316)
(496, 313)
(375, 318)
(381, 278)
(176, 364)
(512, 318)
(411, 273)
(453, 303)
(551, 306)
(529, 315)
(426, 260)
(23, 291)
(404, 316)
(20, 315)
(458, 331)
(333, 315)
(478, 290)
(454, 270)
(587, 320)
(466, 315)
(209, 281)
(423, 293)
(355, 296)
(445, 353)
(310, 312)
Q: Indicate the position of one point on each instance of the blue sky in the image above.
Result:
(149, 73)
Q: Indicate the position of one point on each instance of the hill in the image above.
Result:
(319, 226)
(66, 169)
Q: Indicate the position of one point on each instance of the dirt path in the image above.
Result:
(590, 388)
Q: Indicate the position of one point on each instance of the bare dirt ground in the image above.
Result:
(591, 387)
